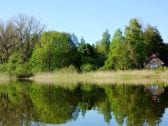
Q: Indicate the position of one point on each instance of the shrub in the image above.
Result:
(16, 67)
(87, 67)
(3, 67)
(69, 69)
(162, 68)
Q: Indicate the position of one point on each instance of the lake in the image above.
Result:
(26, 103)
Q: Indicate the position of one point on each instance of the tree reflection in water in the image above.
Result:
(25, 102)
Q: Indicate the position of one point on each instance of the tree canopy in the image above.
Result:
(55, 50)
(41, 50)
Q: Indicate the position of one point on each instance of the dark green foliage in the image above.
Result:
(103, 45)
(17, 67)
(155, 43)
(102, 48)
(153, 39)
(86, 53)
(86, 56)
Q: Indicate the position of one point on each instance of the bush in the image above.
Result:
(3, 68)
(16, 67)
(162, 68)
(103, 68)
(23, 71)
(69, 69)
(87, 67)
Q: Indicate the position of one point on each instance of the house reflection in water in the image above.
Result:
(156, 91)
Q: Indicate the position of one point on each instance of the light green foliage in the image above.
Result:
(88, 67)
(24, 46)
(134, 37)
(54, 51)
(115, 55)
(69, 69)
(16, 66)
(118, 57)
(3, 67)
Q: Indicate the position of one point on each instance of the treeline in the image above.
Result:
(26, 48)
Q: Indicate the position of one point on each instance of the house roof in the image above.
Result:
(156, 58)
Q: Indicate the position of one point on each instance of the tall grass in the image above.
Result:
(4, 77)
(105, 77)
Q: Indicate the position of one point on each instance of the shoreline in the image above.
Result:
(105, 77)
(98, 77)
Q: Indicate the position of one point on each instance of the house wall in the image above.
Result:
(154, 63)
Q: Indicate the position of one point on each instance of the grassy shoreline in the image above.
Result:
(97, 77)
(105, 77)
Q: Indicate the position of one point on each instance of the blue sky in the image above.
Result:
(90, 18)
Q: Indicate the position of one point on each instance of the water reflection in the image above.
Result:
(156, 91)
(34, 104)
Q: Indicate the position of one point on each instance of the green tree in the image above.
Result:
(135, 39)
(154, 42)
(28, 31)
(118, 57)
(54, 51)
(17, 67)
(115, 50)
(102, 48)
(86, 53)
(74, 39)
(7, 40)
(153, 39)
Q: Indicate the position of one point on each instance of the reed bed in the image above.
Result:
(105, 77)
(4, 77)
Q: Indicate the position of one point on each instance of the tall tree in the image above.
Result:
(28, 31)
(118, 57)
(153, 39)
(74, 39)
(7, 40)
(135, 40)
(86, 53)
(102, 47)
(115, 47)
(155, 43)
(55, 51)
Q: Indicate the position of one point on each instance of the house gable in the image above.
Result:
(153, 61)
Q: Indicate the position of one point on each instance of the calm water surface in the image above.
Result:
(30, 104)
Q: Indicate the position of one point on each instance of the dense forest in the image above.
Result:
(26, 48)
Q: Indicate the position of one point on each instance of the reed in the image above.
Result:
(105, 77)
